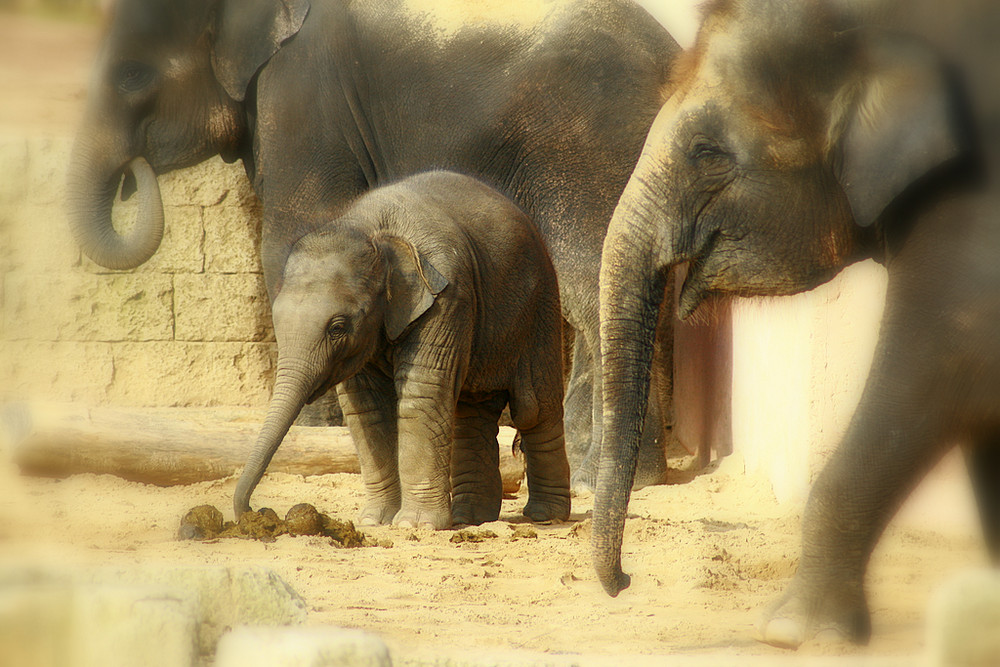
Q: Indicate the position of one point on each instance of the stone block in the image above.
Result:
(221, 597)
(232, 238)
(205, 184)
(255, 367)
(55, 371)
(124, 626)
(83, 307)
(301, 647)
(222, 307)
(963, 621)
(40, 240)
(191, 374)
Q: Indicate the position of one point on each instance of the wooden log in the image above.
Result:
(168, 446)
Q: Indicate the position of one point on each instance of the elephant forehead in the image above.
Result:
(318, 273)
(312, 304)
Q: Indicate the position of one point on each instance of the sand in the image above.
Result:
(705, 555)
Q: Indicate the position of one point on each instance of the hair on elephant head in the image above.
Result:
(166, 93)
(792, 129)
(344, 295)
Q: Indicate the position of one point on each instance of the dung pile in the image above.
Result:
(205, 523)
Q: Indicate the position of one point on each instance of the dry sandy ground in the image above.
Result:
(705, 554)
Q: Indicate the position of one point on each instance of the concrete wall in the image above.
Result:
(799, 367)
(191, 327)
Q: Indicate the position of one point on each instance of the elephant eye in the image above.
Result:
(336, 329)
(703, 148)
(133, 76)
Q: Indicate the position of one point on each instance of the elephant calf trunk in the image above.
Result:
(292, 386)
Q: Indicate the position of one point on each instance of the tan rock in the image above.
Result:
(206, 184)
(56, 371)
(191, 374)
(222, 307)
(232, 238)
(107, 307)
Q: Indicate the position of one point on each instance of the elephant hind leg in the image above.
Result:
(983, 462)
(540, 426)
(477, 489)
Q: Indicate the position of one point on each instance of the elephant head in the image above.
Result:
(344, 295)
(168, 91)
(790, 132)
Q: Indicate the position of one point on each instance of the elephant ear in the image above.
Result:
(412, 286)
(895, 125)
(248, 33)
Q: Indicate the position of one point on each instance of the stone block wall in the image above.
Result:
(191, 327)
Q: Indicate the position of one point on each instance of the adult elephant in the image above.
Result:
(549, 103)
(804, 136)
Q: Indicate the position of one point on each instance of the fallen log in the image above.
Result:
(170, 446)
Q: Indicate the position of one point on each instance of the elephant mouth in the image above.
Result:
(321, 389)
(696, 287)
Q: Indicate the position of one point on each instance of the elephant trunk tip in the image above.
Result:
(612, 578)
(241, 499)
(608, 559)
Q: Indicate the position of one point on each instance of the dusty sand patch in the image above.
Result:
(705, 556)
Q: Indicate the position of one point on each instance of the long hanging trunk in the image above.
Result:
(92, 186)
(633, 277)
(293, 384)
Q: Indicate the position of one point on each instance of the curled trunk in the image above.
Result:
(292, 386)
(93, 185)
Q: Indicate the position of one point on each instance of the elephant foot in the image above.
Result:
(547, 509)
(830, 614)
(418, 517)
(378, 513)
(474, 510)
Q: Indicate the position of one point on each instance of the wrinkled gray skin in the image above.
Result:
(323, 100)
(804, 135)
(431, 304)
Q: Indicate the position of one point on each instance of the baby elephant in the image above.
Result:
(431, 304)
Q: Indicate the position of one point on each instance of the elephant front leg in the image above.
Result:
(893, 440)
(369, 402)
(477, 488)
(426, 419)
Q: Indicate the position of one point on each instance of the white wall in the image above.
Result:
(799, 366)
